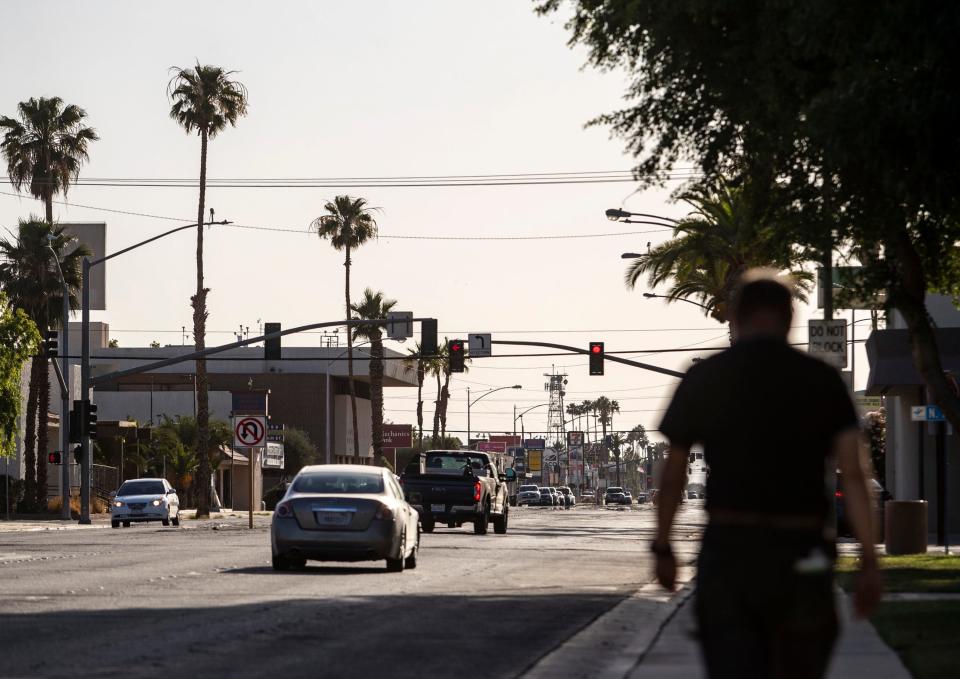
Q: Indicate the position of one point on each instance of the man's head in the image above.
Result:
(762, 305)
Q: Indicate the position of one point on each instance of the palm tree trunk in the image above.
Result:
(201, 482)
(420, 377)
(376, 398)
(353, 392)
(444, 402)
(436, 414)
(30, 437)
(43, 410)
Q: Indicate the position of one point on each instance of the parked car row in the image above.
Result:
(532, 495)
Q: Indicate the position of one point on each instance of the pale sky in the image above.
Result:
(367, 89)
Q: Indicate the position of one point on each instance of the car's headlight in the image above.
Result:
(157, 502)
(117, 503)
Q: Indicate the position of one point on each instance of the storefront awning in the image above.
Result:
(891, 358)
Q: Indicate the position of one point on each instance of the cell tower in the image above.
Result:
(556, 383)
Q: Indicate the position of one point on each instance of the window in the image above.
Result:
(339, 482)
(141, 488)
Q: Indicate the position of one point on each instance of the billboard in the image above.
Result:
(491, 447)
(534, 460)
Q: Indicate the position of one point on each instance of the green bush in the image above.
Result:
(16, 492)
(272, 496)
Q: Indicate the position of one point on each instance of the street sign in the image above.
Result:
(925, 413)
(250, 432)
(272, 457)
(480, 345)
(868, 403)
(400, 326)
(828, 341)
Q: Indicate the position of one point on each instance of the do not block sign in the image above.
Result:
(828, 341)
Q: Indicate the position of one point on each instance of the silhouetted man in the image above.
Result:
(775, 424)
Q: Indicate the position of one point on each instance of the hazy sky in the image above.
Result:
(366, 89)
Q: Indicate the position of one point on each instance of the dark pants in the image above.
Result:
(758, 617)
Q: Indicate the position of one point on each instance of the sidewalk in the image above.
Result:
(860, 653)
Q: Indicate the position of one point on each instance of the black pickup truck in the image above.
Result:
(457, 487)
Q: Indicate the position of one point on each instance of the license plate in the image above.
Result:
(439, 509)
(137, 516)
(332, 518)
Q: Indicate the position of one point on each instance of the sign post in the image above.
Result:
(828, 342)
(250, 431)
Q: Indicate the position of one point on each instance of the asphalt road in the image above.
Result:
(203, 601)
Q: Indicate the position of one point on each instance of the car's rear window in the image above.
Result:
(447, 462)
(339, 482)
(524, 489)
(141, 488)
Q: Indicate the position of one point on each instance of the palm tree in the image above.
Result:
(605, 408)
(423, 365)
(374, 306)
(348, 224)
(438, 368)
(45, 148)
(445, 390)
(712, 247)
(29, 277)
(204, 100)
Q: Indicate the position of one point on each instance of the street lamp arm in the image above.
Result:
(515, 386)
(650, 295)
(539, 405)
(100, 260)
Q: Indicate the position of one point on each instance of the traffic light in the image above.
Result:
(76, 422)
(428, 337)
(596, 358)
(456, 350)
(90, 419)
(55, 457)
(50, 344)
(78, 454)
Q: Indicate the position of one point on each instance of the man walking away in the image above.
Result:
(775, 425)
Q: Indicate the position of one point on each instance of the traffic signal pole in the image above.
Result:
(580, 350)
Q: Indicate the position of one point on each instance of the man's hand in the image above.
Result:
(867, 589)
(666, 571)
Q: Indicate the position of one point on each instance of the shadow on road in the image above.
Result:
(388, 635)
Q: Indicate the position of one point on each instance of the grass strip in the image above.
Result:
(924, 634)
(927, 573)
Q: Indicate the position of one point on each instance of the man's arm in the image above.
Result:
(671, 487)
(855, 467)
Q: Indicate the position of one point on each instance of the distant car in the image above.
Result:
(588, 495)
(880, 496)
(569, 500)
(528, 494)
(693, 495)
(614, 496)
(141, 500)
(546, 497)
(641, 498)
(628, 497)
(344, 512)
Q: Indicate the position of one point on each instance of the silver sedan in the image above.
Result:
(344, 512)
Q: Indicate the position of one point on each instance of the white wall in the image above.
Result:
(343, 426)
(136, 405)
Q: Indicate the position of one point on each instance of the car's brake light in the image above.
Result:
(838, 494)
(283, 510)
(476, 491)
(384, 513)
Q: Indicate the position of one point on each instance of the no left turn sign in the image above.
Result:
(250, 432)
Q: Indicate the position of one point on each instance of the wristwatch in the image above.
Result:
(661, 548)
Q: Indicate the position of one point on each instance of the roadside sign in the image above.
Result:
(925, 413)
(534, 460)
(400, 326)
(480, 345)
(828, 341)
(868, 403)
(250, 432)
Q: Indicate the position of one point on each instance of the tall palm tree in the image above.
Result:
(605, 408)
(711, 248)
(374, 306)
(445, 390)
(348, 224)
(45, 148)
(204, 100)
(438, 368)
(29, 277)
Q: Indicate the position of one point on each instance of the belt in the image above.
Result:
(727, 517)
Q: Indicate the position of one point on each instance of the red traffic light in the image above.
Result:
(596, 358)
(456, 346)
(596, 348)
(54, 458)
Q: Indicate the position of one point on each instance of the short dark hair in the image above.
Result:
(762, 295)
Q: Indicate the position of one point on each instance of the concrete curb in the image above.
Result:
(613, 644)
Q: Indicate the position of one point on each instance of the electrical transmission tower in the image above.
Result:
(556, 427)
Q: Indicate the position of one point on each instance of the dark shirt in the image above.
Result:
(766, 415)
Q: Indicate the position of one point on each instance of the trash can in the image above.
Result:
(906, 526)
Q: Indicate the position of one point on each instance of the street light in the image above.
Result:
(650, 295)
(470, 403)
(624, 217)
(520, 417)
(85, 357)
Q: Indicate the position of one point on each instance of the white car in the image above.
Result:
(528, 494)
(140, 500)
